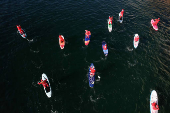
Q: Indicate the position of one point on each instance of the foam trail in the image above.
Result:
(30, 40)
(129, 49)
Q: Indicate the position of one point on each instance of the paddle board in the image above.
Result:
(120, 19)
(153, 98)
(135, 43)
(91, 78)
(106, 50)
(109, 26)
(154, 26)
(87, 39)
(62, 44)
(47, 89)
(24, 35)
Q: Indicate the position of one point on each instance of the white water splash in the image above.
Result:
(66, 55)
(132, 64)
(129, 49)
(54, 111)
(98, 78)
(30, 40)
(34, 51)
(91, 98)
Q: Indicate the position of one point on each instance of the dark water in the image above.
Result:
(128, 75)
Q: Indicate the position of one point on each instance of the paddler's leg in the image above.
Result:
(120, 17)
(154, 23)
(87, 38)
(44, 85)
(47, 84)
(21, 32)
(91, 74)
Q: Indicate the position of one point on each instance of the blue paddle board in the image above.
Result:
(91, 78)
(87, 39)
(104, 51)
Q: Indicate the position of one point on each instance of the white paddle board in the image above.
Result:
(153, 98)
(135, 43)
(47, 89)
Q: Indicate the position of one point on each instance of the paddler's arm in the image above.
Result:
(41, 81)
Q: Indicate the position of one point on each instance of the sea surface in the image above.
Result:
(128, 75)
